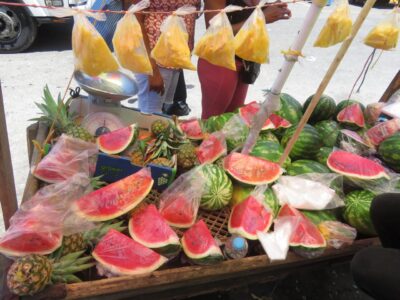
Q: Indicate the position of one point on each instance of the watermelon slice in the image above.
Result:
(352, 116)
(200, 246)
(251, 170)
(116, 199)
(249, 111)
(306, 234)
(149, 228)
(192, 129)
(211, 149)
(180, 212)
(117, 141)
(121, 255)
(355, 166)
(382, 131)
(249, 217)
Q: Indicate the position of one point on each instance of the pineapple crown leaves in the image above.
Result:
(97, 183)
(66, 266)
(94, 236)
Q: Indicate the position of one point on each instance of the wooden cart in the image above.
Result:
(171, 283)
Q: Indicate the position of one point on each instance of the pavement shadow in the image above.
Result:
(52, 37)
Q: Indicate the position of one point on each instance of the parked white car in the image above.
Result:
(18, 25)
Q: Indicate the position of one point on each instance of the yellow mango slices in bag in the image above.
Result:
(172, 48)
(252, 40)
(337, 28)
(92, 55)
(129, 46)
(386, 34)
(217, 46)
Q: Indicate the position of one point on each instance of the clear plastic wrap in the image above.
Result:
(172, 48)
(40, 223)
(382, 131)
(337, 234)
(337, 28)
(69, 156)
(309, 191)
(92, 55)
(385, 35)
(372, 112)
(180, 202)
(351, 141)
(217, 45)
(212, 148)
(252, 40)
(236, 132)
(128, 42)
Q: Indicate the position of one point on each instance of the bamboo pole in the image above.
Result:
(328, 76)
(8, 197)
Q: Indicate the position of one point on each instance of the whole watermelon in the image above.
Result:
(328, 131)
(304, 166)
(216, 123)
(291, 109)
(356, 211)
(324, 110)
(319, 216)
(307, 145)
(323, 154)
(268, 136)
(345, 103)
(218, 188)
(389, 150)
(268, 150)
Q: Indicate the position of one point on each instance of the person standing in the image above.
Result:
(224, 90)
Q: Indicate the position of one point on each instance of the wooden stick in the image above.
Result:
(8, 196)
(392, 88)
(327, 78)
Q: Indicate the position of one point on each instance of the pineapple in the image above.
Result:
(187, 157)
(162, 161)
(30, 274)
(138, 154)
(81, 241)
(57, 112)
(158, 127)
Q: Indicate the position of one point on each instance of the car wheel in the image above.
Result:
(17, 29)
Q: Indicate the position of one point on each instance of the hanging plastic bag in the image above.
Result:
(212, 148)
(129, 44)
(252, 40)
(337, 235)
(69, 156)
(308, 191)
(172, 48)
(337, 28)
(235, 132)
(217, 46)
(39, 224)
(180, 202)
(386, 34)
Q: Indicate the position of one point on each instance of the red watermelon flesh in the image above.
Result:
(115, 199)
(121, 255)
(178, 212)
(198, 243)
(353, 165)
(382, 131)
(352, 114)
(250, 169)
(118, 140)
(192, 129)
(305, 234)
(149, 228)
(249, 111)
(211, 149)
(249, 217)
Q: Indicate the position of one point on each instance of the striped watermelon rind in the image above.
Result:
(268, 136)
(307, 145)
(324, 110)
(271, 151)
(344, 103)
(216, 123)
(389, 151)
(218, 188)
(319, 216)
(323, 154)
(304, 166)
(291, 109)
(357, 211)
(328, 131)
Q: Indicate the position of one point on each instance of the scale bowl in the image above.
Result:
(113, 86)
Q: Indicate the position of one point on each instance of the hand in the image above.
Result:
(156, 82)
(276, 11)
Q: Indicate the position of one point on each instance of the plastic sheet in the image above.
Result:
(236, 132)
(92, 55)
(217, 46)
(308, 191)
(337, 235)
(212, 148)
(337, 28)
(180, 202)
(69, 156)
(172, 48)
(385, 35)
(128, 42)
(351, 141)
(252, 40)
